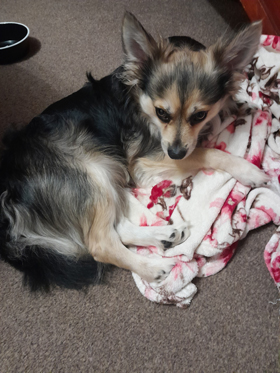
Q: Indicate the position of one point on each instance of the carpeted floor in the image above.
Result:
(231, 325)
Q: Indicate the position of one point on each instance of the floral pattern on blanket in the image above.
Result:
(219, 210)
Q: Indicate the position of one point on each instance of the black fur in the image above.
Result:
(186, 41)
(43, 269)
(104, 111)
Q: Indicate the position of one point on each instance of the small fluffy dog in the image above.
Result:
(65, 177)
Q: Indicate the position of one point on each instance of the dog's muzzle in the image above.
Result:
(177, 152)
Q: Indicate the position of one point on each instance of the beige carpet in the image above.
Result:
(231, 326)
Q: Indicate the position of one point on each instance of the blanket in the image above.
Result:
(219, 210)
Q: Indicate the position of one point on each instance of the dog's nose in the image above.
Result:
(176, 152)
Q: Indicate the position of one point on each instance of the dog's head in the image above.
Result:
(181, 87)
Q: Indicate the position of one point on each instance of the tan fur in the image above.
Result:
(102, 239)
(179, 126)
(105, 246)
(147, 170)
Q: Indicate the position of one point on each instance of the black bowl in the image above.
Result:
(13, 41)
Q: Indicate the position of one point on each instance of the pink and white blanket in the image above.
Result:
(219, 210)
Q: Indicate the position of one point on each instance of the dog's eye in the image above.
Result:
(198, 117)
(163, 115)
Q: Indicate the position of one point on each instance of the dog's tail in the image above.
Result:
(43, 269)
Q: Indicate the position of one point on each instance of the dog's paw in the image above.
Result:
(252, 176)
(169, 236)
(157, 270)
(175, 236)
(248, 174)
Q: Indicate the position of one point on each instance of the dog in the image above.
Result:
(65, 177)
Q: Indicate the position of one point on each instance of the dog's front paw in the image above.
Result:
(248, 174)
(157, 270)
(252, 176)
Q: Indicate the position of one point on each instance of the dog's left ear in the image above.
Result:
(238, 53)
(137, 43)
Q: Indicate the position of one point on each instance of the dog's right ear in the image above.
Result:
(237, 53)
(138, 45)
